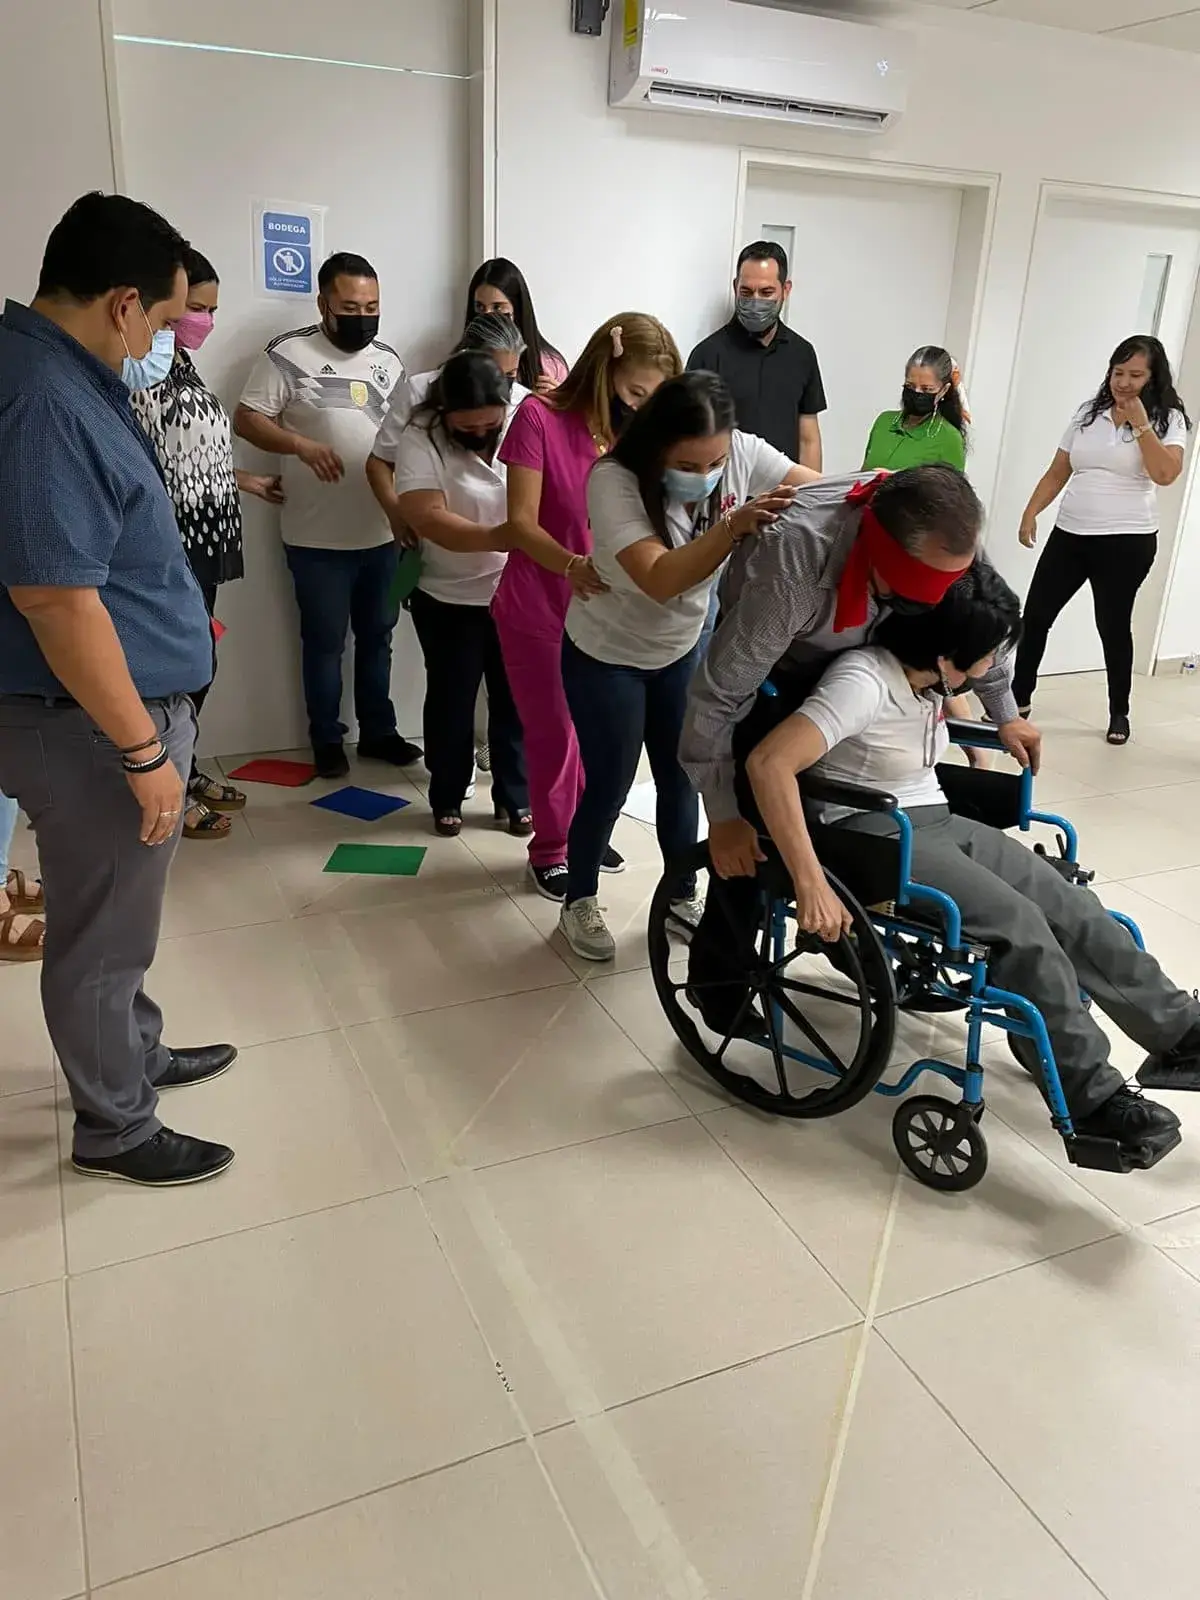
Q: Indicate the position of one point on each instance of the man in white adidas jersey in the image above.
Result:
(316, 397)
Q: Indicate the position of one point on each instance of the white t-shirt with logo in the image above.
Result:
(475, 489)
(338, 398)
(625, 626)
(1110, 490)
(879, 731)
(408, 394)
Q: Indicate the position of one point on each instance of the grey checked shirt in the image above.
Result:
(778, 602)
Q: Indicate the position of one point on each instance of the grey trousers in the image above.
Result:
(104, 898)
(1048, 940)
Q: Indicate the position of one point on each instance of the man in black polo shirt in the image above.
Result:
(103, 636)
(771, 371)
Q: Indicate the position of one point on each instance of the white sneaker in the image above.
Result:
(585, 930)
(688, 912)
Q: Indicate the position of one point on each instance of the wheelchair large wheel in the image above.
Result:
(808, 1027)
(940, 1143)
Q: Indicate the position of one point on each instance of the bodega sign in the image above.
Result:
(288, 246)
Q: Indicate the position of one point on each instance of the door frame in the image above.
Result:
(1157, 591)
(984, 185)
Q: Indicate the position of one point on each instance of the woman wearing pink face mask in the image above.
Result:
(189, 429)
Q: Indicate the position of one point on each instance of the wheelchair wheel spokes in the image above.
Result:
(801, 1036)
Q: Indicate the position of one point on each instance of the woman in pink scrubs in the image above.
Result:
(551, 446)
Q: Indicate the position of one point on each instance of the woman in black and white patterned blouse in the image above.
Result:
(189, 429)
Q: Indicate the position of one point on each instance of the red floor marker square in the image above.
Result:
(287, 774)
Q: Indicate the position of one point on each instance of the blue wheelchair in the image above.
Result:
(817, 1027)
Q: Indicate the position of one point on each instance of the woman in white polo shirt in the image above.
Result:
(451, 492)
(1121, 446)
(680, 487)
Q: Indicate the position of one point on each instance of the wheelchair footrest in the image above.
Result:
(1107, 1155)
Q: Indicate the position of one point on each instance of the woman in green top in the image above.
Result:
(931, 424)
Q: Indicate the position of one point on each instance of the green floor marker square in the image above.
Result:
(381, 860)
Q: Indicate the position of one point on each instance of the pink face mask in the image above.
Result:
(192, 328)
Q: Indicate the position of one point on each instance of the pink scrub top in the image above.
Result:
(559, 445)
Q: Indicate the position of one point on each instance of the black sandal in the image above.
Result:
(209, 824)
(449, 825)
(1118, 730)
(518, 823)
(216, 796)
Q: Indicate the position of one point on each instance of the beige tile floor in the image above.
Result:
(502, 1300)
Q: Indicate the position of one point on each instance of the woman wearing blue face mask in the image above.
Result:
(679, 489)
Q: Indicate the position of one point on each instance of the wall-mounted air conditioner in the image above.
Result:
(749, 60)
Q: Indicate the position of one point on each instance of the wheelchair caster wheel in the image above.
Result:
(940, 1142)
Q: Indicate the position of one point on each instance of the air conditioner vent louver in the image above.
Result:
(689, 97)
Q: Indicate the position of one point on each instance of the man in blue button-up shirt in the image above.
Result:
(103, 635)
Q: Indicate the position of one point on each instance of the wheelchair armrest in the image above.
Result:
(978, 735)
(813, 787)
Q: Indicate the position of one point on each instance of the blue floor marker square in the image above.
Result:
(368, 805)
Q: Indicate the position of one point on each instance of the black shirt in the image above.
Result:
(773, 385)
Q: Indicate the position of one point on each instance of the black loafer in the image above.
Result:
(330, 761)
(397, 752)
(166, 1160)
(197, 1065)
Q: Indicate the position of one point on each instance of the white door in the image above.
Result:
(872, 267)
(1100, 272)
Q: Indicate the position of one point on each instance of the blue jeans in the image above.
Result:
(8, 826)
(615, 711)
(336, 590)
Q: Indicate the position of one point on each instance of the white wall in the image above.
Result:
(643, 203)
(54, 135)
(205, 134)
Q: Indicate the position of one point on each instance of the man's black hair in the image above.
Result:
(108, 241)
(344, 264)
(765, 250)
(934, 501)
(978, 614)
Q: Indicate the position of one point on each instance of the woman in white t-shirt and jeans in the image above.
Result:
(680, 487)
(451, 492)
(1121, 446)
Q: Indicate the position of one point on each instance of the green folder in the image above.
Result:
(408, 575)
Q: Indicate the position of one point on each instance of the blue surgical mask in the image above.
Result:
(690, 488)
(147, 371)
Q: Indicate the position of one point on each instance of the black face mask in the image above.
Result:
(351, 333)
(917, 403)
(620, 412)
(481, 444)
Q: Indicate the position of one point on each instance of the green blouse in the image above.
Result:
(895, 447)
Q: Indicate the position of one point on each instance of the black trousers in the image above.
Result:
(461, 650)
(1116, 565)
(199, 696)
(723, 946)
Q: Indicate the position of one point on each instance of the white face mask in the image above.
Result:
(145, 372)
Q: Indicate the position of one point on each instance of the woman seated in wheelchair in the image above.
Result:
(877, 721)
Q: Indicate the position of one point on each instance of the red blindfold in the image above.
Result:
(875, 551)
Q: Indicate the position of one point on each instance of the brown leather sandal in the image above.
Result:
(21, 895)
(25, 944)
(201, 822)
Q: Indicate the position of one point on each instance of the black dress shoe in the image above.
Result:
(1178, 1068)
(397, 752)
(166, 1160)
(330, 761)
(197, 1065)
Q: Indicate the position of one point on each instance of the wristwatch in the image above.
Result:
(1142, 428)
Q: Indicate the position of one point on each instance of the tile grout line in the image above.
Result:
(991, 1465)
(849, 1404)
